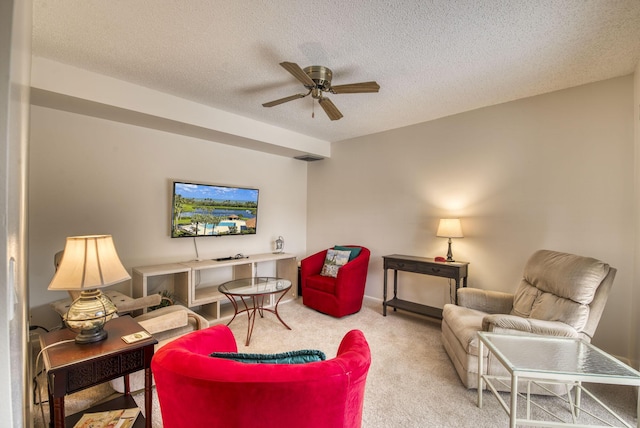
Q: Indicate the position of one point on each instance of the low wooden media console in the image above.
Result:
(195, 283)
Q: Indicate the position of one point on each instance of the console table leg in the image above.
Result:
(148, 399)
(58, 411)
(51, 410)
(384, 295)
(395, 287)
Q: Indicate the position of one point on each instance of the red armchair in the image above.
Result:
(338, 296)
(196, 390)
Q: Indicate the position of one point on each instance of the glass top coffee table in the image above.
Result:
(253, 292)
(549, 360)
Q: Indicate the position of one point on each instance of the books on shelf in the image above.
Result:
(122, 418)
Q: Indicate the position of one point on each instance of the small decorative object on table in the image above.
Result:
(279, 245)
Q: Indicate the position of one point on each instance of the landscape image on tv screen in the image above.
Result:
(211, 210)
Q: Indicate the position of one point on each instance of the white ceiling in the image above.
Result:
(431, 58)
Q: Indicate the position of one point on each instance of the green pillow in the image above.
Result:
(291, 357)
(354, 250)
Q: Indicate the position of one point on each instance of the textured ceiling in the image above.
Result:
(431, 58)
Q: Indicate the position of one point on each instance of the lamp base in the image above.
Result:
(87, 316)
(91, 336)
(449, 253)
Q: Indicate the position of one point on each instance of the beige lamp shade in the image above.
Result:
(89, 262)
(450, 228)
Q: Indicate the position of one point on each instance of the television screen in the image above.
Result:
(212, 210)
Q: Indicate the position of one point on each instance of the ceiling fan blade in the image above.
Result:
(356, 88)
(330, 108)
(284, 100)
(298, 73)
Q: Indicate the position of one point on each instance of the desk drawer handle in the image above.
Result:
(435, 269)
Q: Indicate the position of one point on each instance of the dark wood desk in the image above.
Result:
(425, 266)
(71, 367)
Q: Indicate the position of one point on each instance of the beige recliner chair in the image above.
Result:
(560, 294)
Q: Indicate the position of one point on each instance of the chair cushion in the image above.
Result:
(559, 287)
(550, 307)
(334, 260)
(326, 284)
(565, 275)
(291, 357)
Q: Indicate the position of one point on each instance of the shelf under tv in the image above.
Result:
(186, 282)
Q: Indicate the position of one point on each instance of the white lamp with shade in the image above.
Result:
(450, 228)
(89, 263)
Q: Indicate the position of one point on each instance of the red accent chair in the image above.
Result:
(338, 296)
(196, 390)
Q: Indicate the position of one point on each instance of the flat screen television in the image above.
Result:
(213, 210)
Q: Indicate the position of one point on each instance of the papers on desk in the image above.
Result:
(111, 419)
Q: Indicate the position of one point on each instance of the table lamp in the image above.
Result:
(89, 263)
(450, 228)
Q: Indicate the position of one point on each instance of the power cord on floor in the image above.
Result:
(35, 379)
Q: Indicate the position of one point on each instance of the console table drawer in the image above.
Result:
(104, 369)
(417, 267)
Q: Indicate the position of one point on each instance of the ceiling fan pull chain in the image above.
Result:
(313, 109)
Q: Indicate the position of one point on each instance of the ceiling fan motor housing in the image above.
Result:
(320, 75)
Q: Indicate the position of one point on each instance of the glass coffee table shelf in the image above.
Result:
(252, 292)
(551, 360)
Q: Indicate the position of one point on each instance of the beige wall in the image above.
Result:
(554, 171)
(634, 339)
(90, 175)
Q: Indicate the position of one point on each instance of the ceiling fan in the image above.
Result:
(317, 79)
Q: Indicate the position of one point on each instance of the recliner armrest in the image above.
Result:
(491, 302)
(159, 322)
(138, 303)
(513, 324)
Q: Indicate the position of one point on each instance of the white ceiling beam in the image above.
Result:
(64, 87)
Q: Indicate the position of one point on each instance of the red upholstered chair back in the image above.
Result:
(338, 296)
(196, 390)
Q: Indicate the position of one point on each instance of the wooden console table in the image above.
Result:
(425, 266)
(72, 367)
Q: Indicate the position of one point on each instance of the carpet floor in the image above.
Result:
(411, 382)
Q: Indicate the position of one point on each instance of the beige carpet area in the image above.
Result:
(411, 382)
